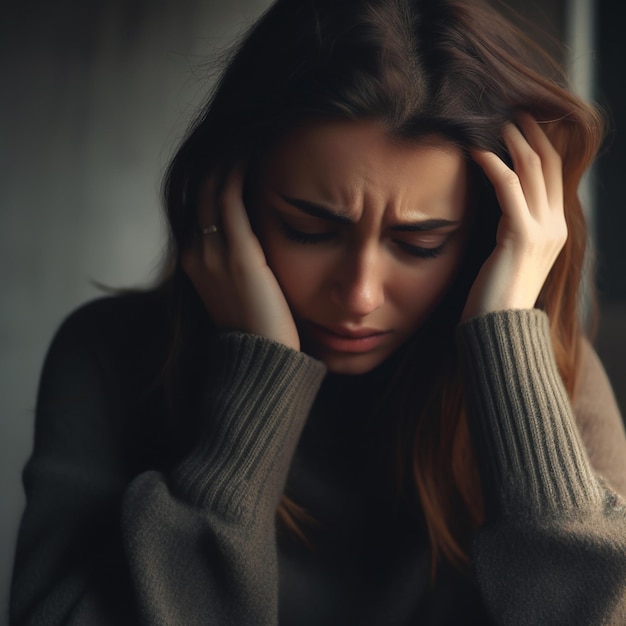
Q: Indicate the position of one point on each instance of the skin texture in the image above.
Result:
(346, 286)
(362, 276)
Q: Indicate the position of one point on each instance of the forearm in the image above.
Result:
(553, 548)
(189, 545)
(201, 542)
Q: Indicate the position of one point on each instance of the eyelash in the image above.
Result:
(316, 238)
(421, 253)
(306, 238)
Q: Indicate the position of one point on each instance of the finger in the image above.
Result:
(211, 244)
(237, 228)
(207, 203)
(505, 182)
(551, 161)
(527, 164)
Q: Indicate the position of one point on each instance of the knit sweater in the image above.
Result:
(131, 520)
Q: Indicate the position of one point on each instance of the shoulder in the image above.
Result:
(592, 386)
(117, 315)
(599, 420)
(102, 372)
(123, 337)
(117, 322)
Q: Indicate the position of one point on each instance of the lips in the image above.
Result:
(343, 339)
(348, 333)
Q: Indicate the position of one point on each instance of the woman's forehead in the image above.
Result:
(347, 164)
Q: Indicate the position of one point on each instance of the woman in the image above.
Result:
(360, 393)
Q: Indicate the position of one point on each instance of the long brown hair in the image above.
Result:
(455, 68)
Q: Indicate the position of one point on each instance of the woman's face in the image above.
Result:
(364, 233)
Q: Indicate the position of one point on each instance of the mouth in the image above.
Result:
(344, 339)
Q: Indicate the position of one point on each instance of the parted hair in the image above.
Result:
(454, 69)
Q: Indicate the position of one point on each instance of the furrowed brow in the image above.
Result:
(325, 213)
(317, 210)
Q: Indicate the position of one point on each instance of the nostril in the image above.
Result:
(358, 282)
(359, 297)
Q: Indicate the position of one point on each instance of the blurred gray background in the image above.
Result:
(94, 98)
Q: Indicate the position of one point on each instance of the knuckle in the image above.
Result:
(511, 178)
(557, 235)
(531, 160)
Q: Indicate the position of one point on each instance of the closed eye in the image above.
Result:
(421, 252)
(312, 237)
(300, 236)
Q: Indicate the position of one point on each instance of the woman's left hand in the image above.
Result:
(532, 229)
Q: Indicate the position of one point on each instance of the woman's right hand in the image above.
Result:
(229, 271)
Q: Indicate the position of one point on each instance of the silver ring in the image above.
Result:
(208, 230)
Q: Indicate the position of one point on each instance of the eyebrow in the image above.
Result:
(324, 213)
(317, 210)
(418, 227)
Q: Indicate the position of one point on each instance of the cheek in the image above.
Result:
(419, 290)
(299, 272)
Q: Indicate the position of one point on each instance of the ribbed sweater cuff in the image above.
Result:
(529, 451)
(258, 402)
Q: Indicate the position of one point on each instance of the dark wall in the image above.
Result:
(611, 167)
(94, 95)
(611, 194)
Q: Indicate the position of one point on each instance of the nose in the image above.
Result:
(359, 284)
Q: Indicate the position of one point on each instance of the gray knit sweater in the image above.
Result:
(119, 529)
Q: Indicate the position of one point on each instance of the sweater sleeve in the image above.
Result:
(201, 542)
(553, 547)
(193, 546)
